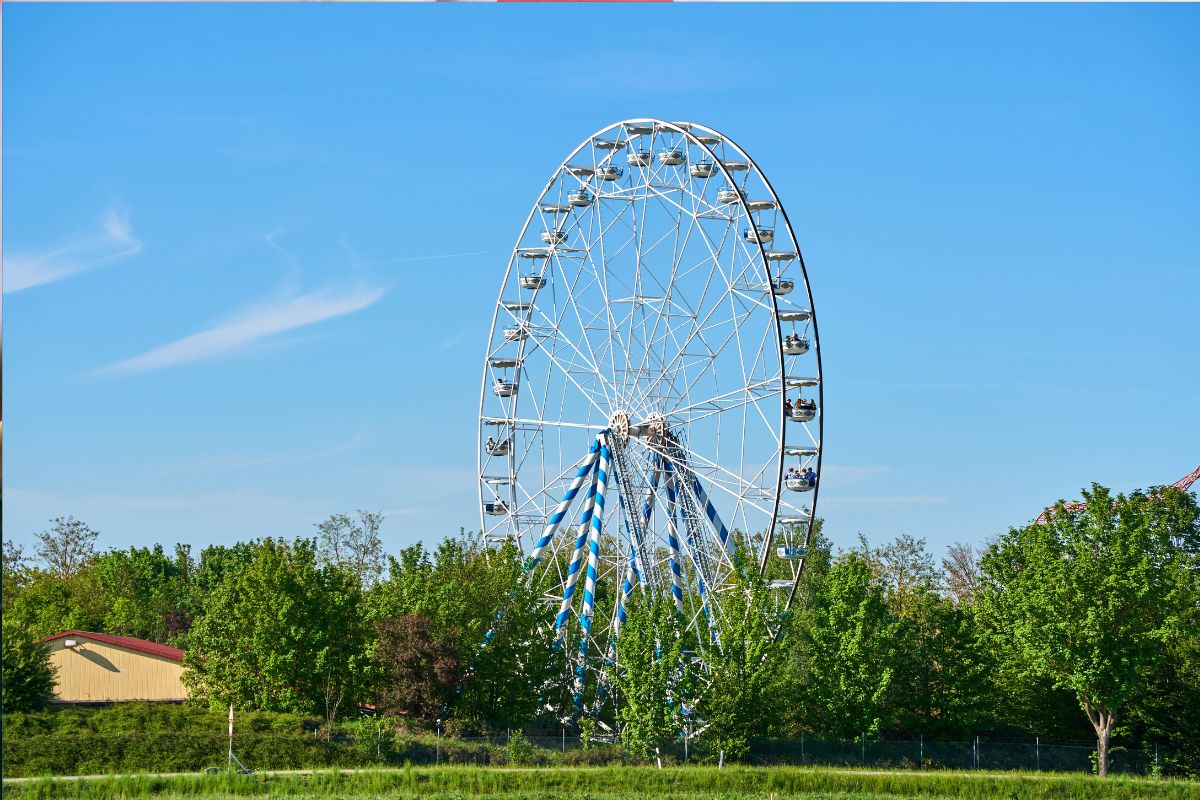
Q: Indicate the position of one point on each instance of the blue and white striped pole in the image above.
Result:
(593, 562)
(673, 540)
(559, 513)
(585, 519)
(711, 511)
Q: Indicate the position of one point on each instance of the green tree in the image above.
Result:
(1091, 598)
(280, 634)
(28, 676)
(653, 675)
(144, 591)
(67, 547)
(353, 545)
(742, 693)
(843, 653)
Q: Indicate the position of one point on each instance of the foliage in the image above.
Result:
(280, 634)
(67, 547)
(1091, 598)
(742, 692)
(419, 670)
(355, 546)
(844, 656)
(28, 675)
(654, 675)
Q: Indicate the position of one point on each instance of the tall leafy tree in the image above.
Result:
(28, 676)
(742, 694)
(67, 547)
(353, 544)
(654, 675)
(1090, 599)
(280, 634)
(844, 652)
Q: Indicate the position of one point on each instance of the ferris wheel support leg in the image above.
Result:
(593, 562)
(585, 519)
(673, 541)
(556, 518)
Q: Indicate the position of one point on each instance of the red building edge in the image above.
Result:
(129, 642)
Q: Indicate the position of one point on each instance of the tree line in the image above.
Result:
(1085, 627)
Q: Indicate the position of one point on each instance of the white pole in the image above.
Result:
(230, 764)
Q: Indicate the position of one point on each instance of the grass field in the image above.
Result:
(617, 783)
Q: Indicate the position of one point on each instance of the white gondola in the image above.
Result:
(556, 236)
(779, 255)
(703, 170)
(782, 286)
(800, 485)
(794, 315)
(504, 362)
(580, 171)
(760, 205)
(532, 281)
(801, 450)
(800, 381)
(670, 127)
(791, 553)
(728, 196)
(609, 144)
(803, 414)
(534, 253)
(707, 138)
(795, 347)
(496, 508)
(501, 448)
(736, 166)
(609, 173)
(497, 480)
(516, 334)
(581, 198)
(638, 158)
(639, 128)
(758, 235)
(555, 208)
(516, 305)
(780, 584)
(671, 158)
(503, 388)
(803, 518)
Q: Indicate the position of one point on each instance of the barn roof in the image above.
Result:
(130, 642)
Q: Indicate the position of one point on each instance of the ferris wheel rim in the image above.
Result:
(688, 131)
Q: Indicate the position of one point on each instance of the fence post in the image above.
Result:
(1156, 754)
(1037, 752)
(976, 752)
(921, 762)
(802, 749)
(564, 738)
(864, 748)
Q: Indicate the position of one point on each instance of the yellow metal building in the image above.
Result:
(99, 668)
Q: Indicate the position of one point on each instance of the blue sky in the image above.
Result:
(251, 251)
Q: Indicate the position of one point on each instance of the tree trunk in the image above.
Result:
(1102, 721)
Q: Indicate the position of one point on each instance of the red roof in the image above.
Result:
(133, 643)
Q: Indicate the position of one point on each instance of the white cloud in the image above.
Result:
(246, 327)
(116, 241)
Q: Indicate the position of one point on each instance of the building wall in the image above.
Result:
(95, 672)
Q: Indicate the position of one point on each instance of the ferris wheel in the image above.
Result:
(651, 404)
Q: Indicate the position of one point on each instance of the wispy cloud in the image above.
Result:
(73, 256)
(246, 327)
(451, 342)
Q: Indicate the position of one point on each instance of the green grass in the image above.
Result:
(620, 783)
